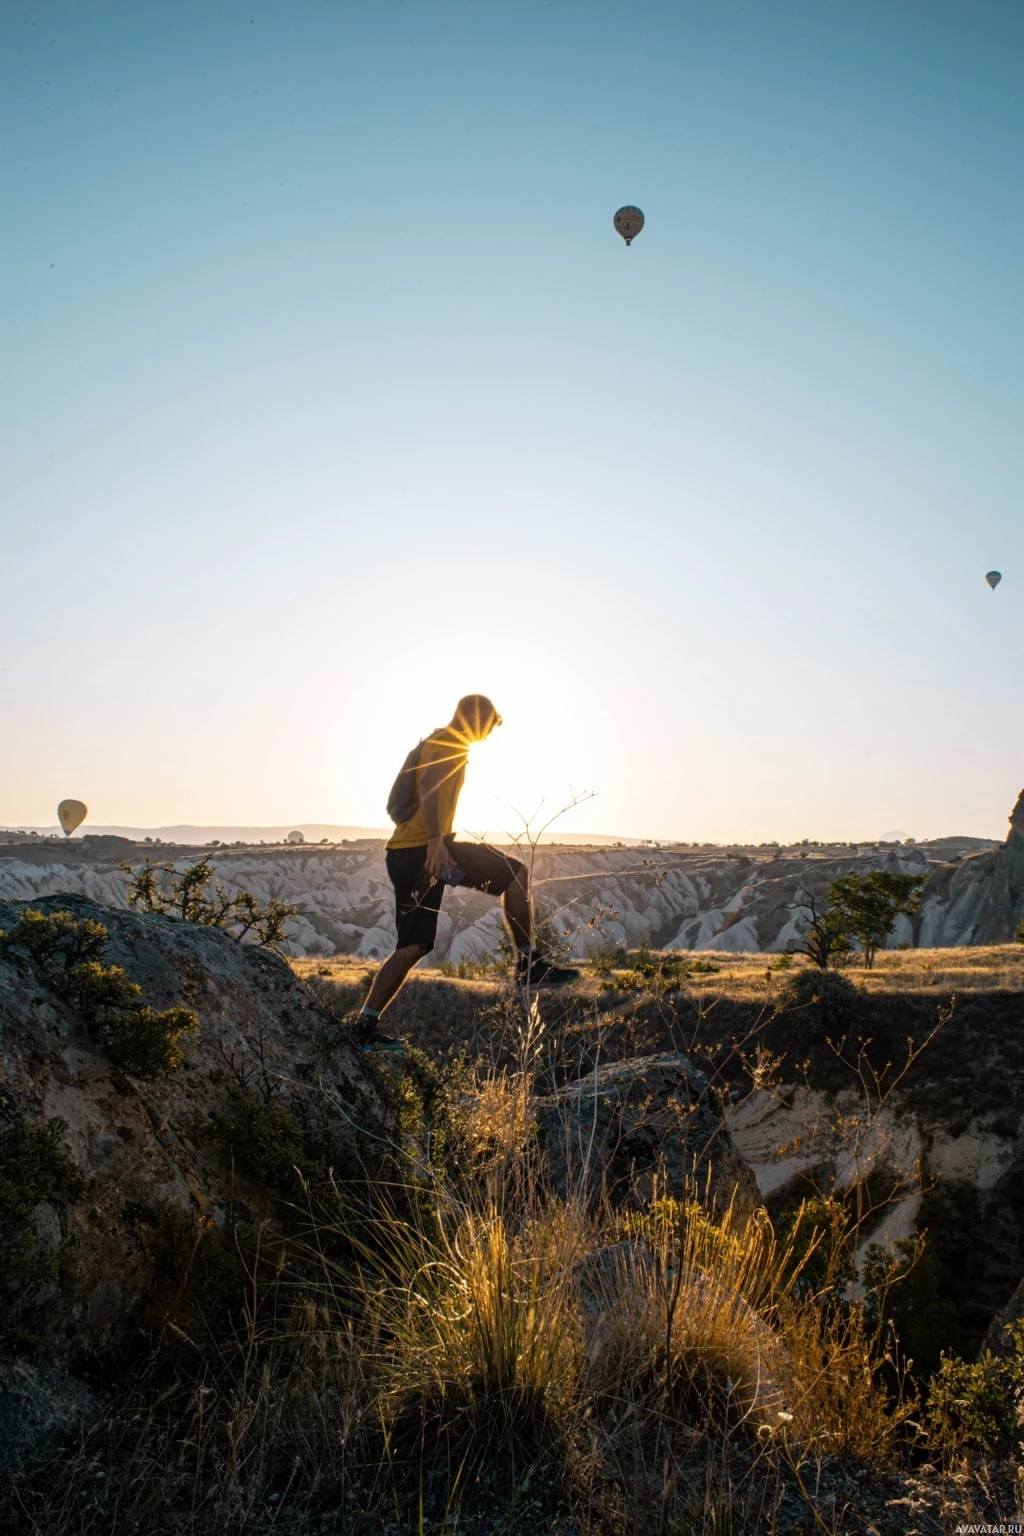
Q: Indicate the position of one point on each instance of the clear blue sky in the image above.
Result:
(330, 393)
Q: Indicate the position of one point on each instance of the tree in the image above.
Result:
(866, 906)
(827, 935)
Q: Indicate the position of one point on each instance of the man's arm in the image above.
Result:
(432, 777)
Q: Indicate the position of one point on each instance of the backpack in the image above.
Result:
(404, 800)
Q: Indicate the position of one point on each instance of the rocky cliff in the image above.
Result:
(138, 1166)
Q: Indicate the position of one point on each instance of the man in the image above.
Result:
(423, 857)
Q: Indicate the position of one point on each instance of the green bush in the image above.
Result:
(826, 997)
(143, 1041)
(656, 971)
(146, 1042)
(57, 941)
(820, 1240)
(604, 960)
(300, 1149)
(977, 1406)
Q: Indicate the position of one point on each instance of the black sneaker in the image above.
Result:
(370, 1037)
(538, 972)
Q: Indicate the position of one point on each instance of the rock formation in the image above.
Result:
(672, 897)
(630, 1124)
(940, 1141)
(153, 1164)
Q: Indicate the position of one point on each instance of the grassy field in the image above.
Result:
(745, 977)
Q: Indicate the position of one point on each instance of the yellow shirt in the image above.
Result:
(441, 746)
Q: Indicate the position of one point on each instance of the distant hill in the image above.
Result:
(312, 831)
(191, 835)
(670, 896)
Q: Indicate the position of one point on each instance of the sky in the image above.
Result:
(329, 394)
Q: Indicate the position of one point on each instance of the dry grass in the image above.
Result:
(979, 968)
(751, 977)
(483, 1358)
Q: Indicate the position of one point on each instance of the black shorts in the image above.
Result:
(418, 899)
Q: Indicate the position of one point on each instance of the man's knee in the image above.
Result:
(519, 872)
(412, 953)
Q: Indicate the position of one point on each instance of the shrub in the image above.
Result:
(820, 1239)
(978, 1406)
(299, 1148)
(604, 960)
(185, 894)
(830, 999)
(268, 1139)
(143, 1041)
(57, 941)
(657, 971)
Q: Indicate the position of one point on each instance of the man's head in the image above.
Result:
(475, 717)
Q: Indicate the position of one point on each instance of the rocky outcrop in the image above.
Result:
(631, 1126)
(981, 900)
(942, 1148)
(157, 1173)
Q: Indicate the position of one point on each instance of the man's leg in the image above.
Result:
(499, 874)
(519, 909)
(488, 869)
(391, 975)
(531, 969)
(416, 912)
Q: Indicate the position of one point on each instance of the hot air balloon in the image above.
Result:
(71, 814)
(993, 578)
(629, 222)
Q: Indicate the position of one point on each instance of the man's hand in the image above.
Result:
(439, 860)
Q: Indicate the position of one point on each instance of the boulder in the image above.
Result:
(626, 1125)
(155, 1172)
(40, 1406)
